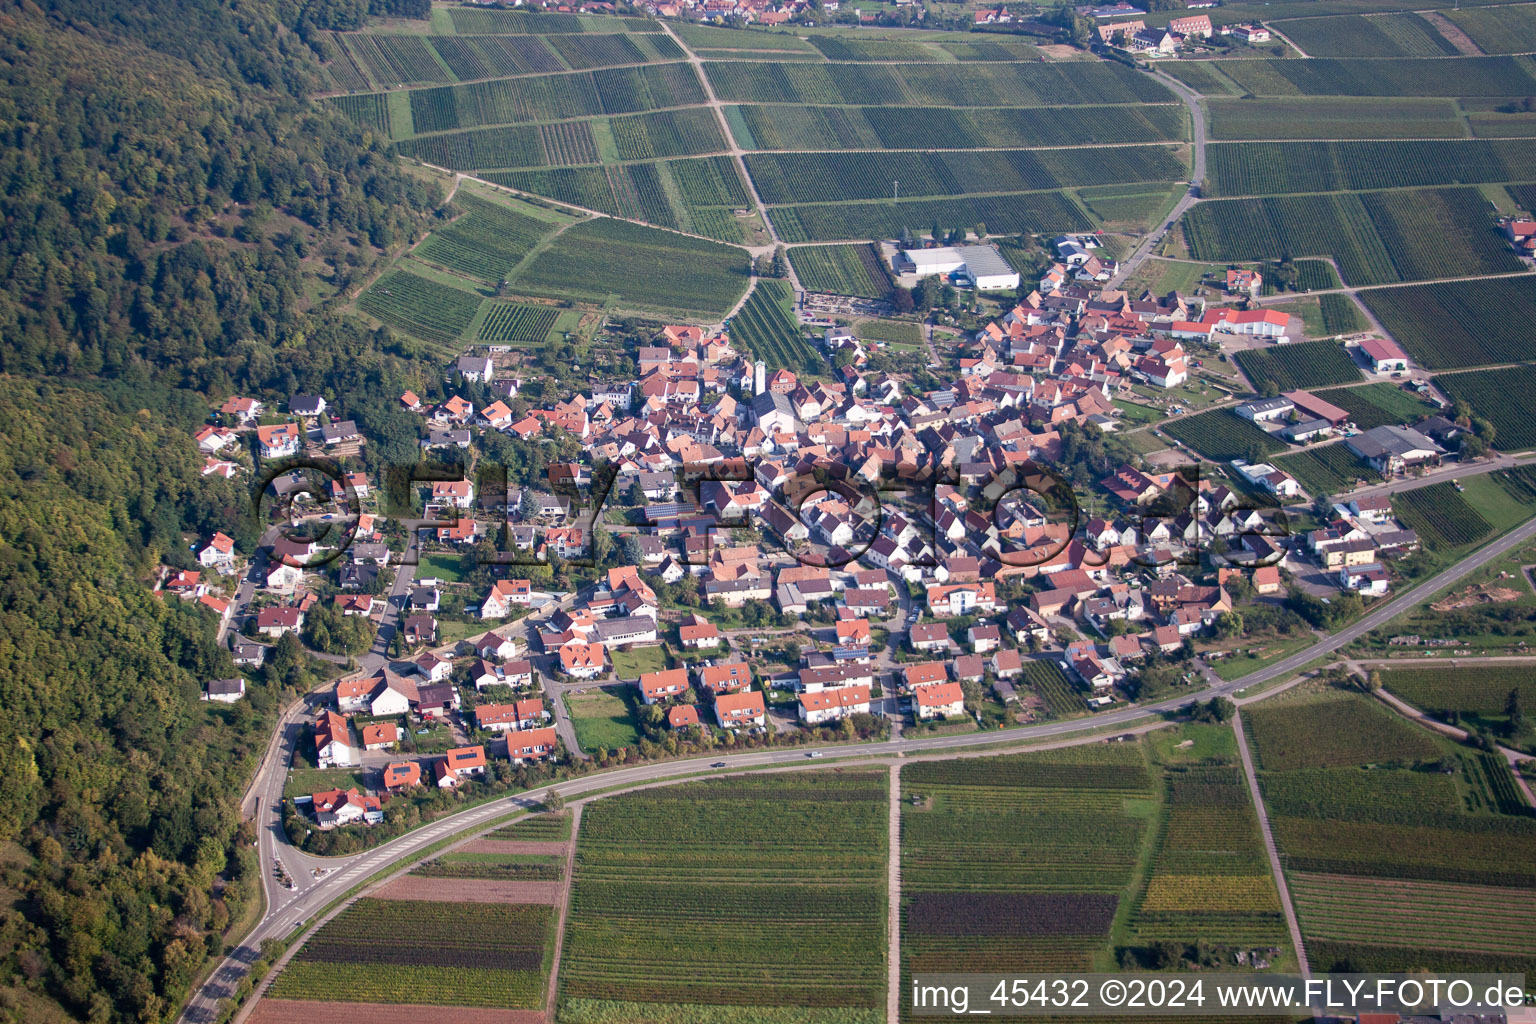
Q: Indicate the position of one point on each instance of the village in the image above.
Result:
(744, 555)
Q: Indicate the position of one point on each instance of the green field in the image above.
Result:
(1376, 237)
(1239, 119)
(403, 951)
(1223, 435)
(1452, 76)
(1468, 690)
(1210, 876)
(842, 270)
(755, 891)
(933, 85)
(1035, 212)
(1386, 864)
(489, 239)
(1333, 730)
(892, 331)
(537, 828)
(1498, 29)
(1461, 324)
(1327, 469)
(419, 306)
(1307, 364)
(1379, 35)
(1270, 168)
(766, 327)
(1378, 404)
(604, 718)
(1443, 518)
(790, 178)
(1020, 860)
(632, 663)
(1500, 396)
(520, 867)
(788, 126)
(600, 258)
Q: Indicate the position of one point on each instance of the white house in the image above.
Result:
(225, 691)
(219, 551)
(333, 742)
(504, 595)
(980, 266)
(830, 705)
(938, 700)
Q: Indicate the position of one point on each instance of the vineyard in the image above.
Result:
(667, 133)
(1498, 29)
(523, 867)
(1380, 35)
(655, 192)
(555, 97)
(507, 323)
(842, 270)
(1306, 364)
(1237, 119)
(419, 307)
(598, 258)
(1378, 404)
(766, 328)
(1328, 469)
(1052, 686)
(890, 331)
(398, 951)
(1333, 730)
(1268, 168)
(758, 891)
(486, 242)
(1407, 76)
(787, 178)
(794, 127)
(1376, 237)
(1441, 516)
(392, 60)
(470, 21)
(1210, 877)
(1501, 396)
(931, 85)
(1464, 690)
(1340, 314)
(553, 828)
(1461, 324)
(472, 57)
(1222, 435)
(1408, 925)
(1037, 212)
(1017, 862)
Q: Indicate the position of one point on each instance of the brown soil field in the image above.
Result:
(471, 890)
(304, 1011)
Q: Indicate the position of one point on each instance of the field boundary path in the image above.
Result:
(565, 911)
(893, 912)
(738, 154)
(1269, 846)
(1286, 39)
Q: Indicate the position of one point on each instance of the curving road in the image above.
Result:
(291, 909)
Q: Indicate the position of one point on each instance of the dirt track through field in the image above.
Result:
(471, 890)
(304, 1011)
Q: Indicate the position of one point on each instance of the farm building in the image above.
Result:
(980, 266)
(1384, 355)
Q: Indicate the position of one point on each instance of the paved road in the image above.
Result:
(290, 909)
(1197, 177)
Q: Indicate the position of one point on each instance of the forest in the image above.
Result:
(180, 224)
